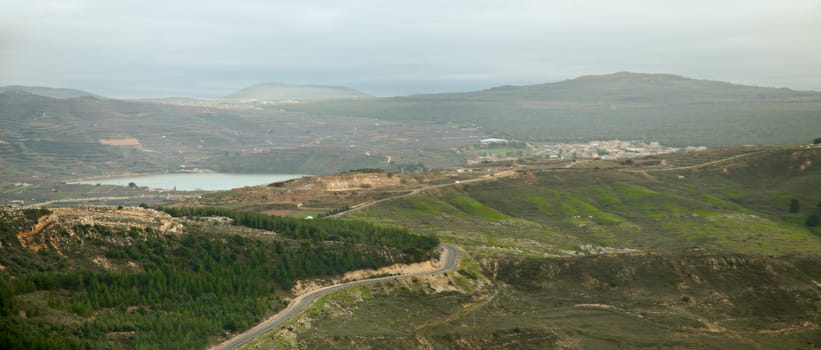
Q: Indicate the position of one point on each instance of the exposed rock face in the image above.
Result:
(75, 225)
(320, 193)
(345, 182)
(306, 286)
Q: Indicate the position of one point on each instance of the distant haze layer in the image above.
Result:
(194, 181)
(210, 48)
(280, 91)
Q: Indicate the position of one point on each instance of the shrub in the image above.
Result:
(794, 207)
(813, 220)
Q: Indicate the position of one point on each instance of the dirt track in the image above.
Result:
(358, 207)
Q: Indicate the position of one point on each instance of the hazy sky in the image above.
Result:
(209, 48)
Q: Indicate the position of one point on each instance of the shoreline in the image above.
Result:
(181, 181)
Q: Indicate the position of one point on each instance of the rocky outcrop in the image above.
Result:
(356, 181)
(75, 225)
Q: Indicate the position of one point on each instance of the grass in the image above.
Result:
(301, 214)
(347, 296)
(754, 277)
(473, 208)
(587, 302)
(635, 192)
(659, 211)
(418, 206)
(470, 269)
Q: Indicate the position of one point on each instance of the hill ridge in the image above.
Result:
(670, 109)
(637, 77)
(52, 92)
(285, 91)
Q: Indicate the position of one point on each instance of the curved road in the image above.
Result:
(449, 260)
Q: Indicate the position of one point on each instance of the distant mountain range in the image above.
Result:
(56, 138)
(48, 91)
(280, 92)
(673, 110)
(632, 88)
(660, 107)
(259, 92)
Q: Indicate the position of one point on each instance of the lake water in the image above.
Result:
(194, 181)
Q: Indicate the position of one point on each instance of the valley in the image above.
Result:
(575, 241)
(699, 247)
(617, 252)
(471, 175)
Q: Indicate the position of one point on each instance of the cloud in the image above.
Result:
(208, 48)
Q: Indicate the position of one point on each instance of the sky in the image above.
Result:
(209, 48)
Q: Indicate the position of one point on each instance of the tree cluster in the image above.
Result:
(186, 287)
(318, 230)
(333, 211)
(813, 219)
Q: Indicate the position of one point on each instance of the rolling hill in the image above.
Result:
(673, 110)
(48, 91)
(676, 251)
(70, 276)
(737, 205)
(89, 136)
(281, 92)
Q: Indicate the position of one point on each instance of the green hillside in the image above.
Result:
(740, 206)
(602, 256)
(640, 301)
(666, 108)
(103, 278)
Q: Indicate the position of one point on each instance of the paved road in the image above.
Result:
(449, 260)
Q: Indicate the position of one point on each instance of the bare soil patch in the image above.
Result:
(124, 142)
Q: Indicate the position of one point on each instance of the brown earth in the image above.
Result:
(319, 193)
(62, 224)
(128, 142)
(306, 286)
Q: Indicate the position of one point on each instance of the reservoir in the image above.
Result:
(194, 181)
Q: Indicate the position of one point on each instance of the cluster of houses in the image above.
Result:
(614, 149)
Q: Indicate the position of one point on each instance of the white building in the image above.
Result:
(493, 140)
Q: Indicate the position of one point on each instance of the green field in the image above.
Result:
(599, 257)
(742, 210)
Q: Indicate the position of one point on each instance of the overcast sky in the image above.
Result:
(208, 48)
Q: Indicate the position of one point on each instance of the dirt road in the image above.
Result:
(94, 199)
(696, 166)
(491, 177)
